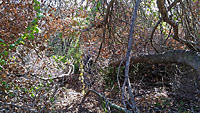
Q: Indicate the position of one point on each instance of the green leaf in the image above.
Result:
(52, 99)
(48, 85)
(76, 68)
(31, 36)
(7, 86)
(99, 4)
(93, 1)
(1, 40)
(11, 46)
(24, 36)
(94, 15)
(34, 21)
(40, 85)
(63, 59)
(11, 94)
(37, 29)
(3, 83)
(81, 8)
(19, 40)
(25, 90)
(50, 80)
(76, 15)
(33, 88)
(6, 53)
(40, 15)
(60, 35)
(32, 94)
(1, 43)
(37, 8)
(154, 14)
(28, 28)
(87, 18)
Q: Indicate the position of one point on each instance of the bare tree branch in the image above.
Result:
(127, 80)
(103, 22)
(159, 21)
(189, 58)
(164, 14)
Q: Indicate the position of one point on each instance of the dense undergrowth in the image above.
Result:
(57, 58)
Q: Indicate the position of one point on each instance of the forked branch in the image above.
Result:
(165, 17)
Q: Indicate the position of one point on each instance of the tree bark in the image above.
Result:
(164, 14)
(186, 57)
(127, 80)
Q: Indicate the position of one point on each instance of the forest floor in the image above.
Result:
(150, 100)
(151, 96)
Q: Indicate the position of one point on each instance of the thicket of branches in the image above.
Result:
(45, 43)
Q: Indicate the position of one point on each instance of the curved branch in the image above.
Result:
(127, 80)
(104, 37)
(163, 11)
(189, 58)
(108, 11)
(160, 20)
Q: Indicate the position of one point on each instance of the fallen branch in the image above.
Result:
(112, 105)
(190, 58)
